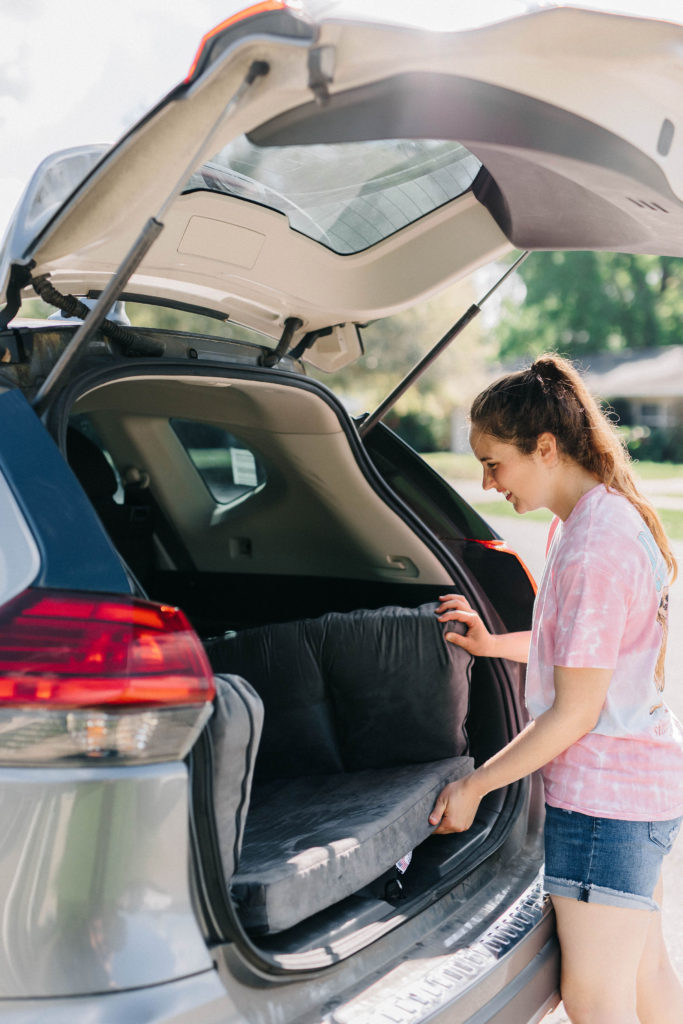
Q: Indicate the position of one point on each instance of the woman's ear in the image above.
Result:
(546, 448)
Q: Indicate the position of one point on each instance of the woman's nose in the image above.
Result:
(487, 480)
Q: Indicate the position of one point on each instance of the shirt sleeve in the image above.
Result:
(592, 609)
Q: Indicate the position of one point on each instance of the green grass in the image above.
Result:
(452, 466)
(672, 519)
(493, 509)
(466, 467)
(658, 470)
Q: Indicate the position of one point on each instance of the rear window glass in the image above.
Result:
(228, 467)
(167, 318)
(347, 196)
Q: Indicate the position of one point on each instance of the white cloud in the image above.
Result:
(83, 70)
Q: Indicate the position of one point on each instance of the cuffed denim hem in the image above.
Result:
(597, 894)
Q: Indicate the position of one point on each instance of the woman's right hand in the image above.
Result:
(477, 640)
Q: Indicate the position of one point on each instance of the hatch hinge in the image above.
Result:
(321, 64)
(271, 359)
(72, 353)
(127, 342)
(308, 341)
(20, 276)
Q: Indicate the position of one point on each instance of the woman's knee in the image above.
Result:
(590, 1007)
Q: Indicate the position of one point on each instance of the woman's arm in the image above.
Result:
(579, 697)
(477, 640)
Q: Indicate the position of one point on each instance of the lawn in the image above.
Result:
(452, 466)
(658, 470)
(455, 467)
(495, 509)
(465, 467)
(672, 518)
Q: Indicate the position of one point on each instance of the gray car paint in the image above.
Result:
(94, 880)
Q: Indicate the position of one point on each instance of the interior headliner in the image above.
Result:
(317, 514)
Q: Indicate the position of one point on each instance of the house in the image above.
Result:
(644, 387)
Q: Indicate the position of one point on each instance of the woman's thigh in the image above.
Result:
(601, 949)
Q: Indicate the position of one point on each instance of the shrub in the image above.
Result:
(659, 444)
(423, 432)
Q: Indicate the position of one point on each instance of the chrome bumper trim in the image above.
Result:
(419, 989)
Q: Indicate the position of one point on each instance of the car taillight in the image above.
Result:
(500, 545)
(94, 675)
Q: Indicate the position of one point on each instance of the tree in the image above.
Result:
(582, 302)
(394, 345)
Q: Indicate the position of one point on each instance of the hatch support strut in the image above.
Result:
(372, 419)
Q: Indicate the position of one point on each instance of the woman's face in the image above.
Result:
(521, 479)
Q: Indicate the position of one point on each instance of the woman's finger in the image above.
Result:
(453, 601)
(459, 640)
(438, 811)
(458, 616)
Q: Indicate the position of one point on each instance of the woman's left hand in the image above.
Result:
(456, 806)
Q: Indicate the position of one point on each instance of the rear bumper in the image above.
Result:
(509, 975)
(199, 999)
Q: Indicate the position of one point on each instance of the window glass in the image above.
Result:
(227, 466)
(348, 196)
(166, 318)
(82, 424)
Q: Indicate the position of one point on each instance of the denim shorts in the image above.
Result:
(605, 860)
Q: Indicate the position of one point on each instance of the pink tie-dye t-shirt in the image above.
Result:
(602, 604)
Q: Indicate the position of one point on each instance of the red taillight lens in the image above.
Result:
(500, 545)
(61, 649)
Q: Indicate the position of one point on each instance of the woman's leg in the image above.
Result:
(601, 949)
(659, 991)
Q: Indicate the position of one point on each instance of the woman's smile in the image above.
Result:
(514, 475)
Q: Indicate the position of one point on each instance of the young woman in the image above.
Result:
(610, 752)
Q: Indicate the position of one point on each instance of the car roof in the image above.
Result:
(339, 170)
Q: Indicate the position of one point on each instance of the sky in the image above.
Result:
(80, 71)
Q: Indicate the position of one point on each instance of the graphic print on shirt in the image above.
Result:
(660, 580)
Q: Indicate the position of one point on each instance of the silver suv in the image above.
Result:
(220, 813)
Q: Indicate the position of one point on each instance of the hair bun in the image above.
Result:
(547, 368)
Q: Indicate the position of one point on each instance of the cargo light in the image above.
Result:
(93, 675)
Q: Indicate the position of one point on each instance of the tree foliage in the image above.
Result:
(583, 302)
(395, 344)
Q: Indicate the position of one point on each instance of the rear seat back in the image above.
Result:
(347, 691)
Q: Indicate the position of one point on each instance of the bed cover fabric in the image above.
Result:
(364, 723)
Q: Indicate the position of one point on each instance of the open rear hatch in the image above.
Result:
(553, 130)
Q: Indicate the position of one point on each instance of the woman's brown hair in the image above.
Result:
(552, 396)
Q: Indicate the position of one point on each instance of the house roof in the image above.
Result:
(644, 373)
